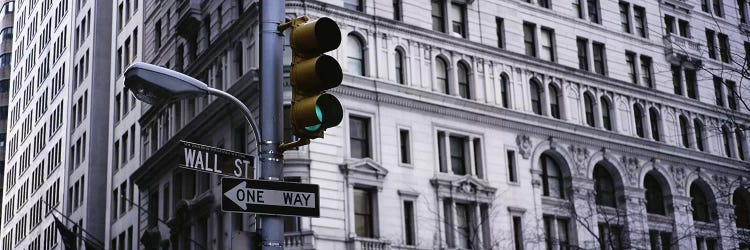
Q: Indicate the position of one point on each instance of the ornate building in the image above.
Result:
(475, 124)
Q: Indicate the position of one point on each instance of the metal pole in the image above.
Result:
(271, 162)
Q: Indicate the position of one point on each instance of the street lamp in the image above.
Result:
(158, 86)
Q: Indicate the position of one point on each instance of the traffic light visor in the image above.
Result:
(318, 112)
(316, 37)
(317, 74)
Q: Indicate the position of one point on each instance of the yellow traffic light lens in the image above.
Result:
(319, 114)
(316, 37)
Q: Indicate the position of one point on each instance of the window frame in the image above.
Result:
(368, 141)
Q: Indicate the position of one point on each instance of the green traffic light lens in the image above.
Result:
(319, 114)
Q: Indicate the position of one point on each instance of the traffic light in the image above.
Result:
(312, 73)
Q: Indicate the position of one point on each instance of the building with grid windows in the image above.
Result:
(469, 124)
(6, 47)
(476, 124)
(58, 113)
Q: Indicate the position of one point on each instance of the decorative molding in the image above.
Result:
(467, 188)
(580, 156)
(678, 174)
(524, 146)
(516, 210)
(632, 169)
(364, 172)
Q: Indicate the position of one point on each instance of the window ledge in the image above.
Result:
(369, 243)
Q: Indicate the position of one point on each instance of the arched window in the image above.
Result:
(9, 7)
(654, 195)
(654, 117)
(606, 114)
(400, 67)
(741, 201)
(698, 128)
(725, 136)
(604, 187)
(701, 210)
(638, 117)
(441, 75)
(552, 179)
(588, 104)
(739, 139)
(505, 90)
(554, 101)
(684, 131)
(536, 97)
(355, 56)
(463, 81)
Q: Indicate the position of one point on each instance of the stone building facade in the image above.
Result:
(474, 125)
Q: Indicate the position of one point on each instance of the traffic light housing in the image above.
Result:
(312, 73)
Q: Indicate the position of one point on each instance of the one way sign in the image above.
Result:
(269, 197)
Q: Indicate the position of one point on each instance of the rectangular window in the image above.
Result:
(676, 79)
(363, 216)
(625, 17)
(157, 34)
(691, 84)
(593, 8)
(639, 18)
(600, 66)
(731, 96)
(710, 43)
(583, 54)
(610, 236)
(684, 27)
(153, 209)
(724, 48)
(669, 24)
(409, 229)
(397, 13)
(545, 4)
(511, 161)
(747, 55)
(123, 201)
(517, 233)
(718, 4)
(646, 76)
(704, 5)
(441, 152)
(438, 15)
(548, 44)
(458, 158)
(529, 38)
(500, 29)
(630, 61)
(463, 226)
(458, 23)
(359, 137)
(741, 7)
(404, 146)
(353, 5)
(718, 91)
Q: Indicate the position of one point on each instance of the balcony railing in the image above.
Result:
(680, 49)
(299, 240)
(370, 244)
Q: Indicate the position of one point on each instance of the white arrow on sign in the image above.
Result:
(242, 196)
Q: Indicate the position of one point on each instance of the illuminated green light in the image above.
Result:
(318, 113)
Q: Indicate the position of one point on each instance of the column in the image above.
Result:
(585, 209)
(635, 205)
(441, 224)
(683, 222)
(598, 121)
(727, 227)
(646, 123)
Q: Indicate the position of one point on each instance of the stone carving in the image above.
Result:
(580, 156)
(524, 146)
(632, 169)
(678, 173)
(467, 188)
(724, 187)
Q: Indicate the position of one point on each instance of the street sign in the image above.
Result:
(216, 160)
(270, 197)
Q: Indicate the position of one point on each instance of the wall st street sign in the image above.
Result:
(216, 160)
(270, 197)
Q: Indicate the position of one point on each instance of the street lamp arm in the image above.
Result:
(243, 108)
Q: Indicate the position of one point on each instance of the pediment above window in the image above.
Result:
(365, 171)
(466, 188)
